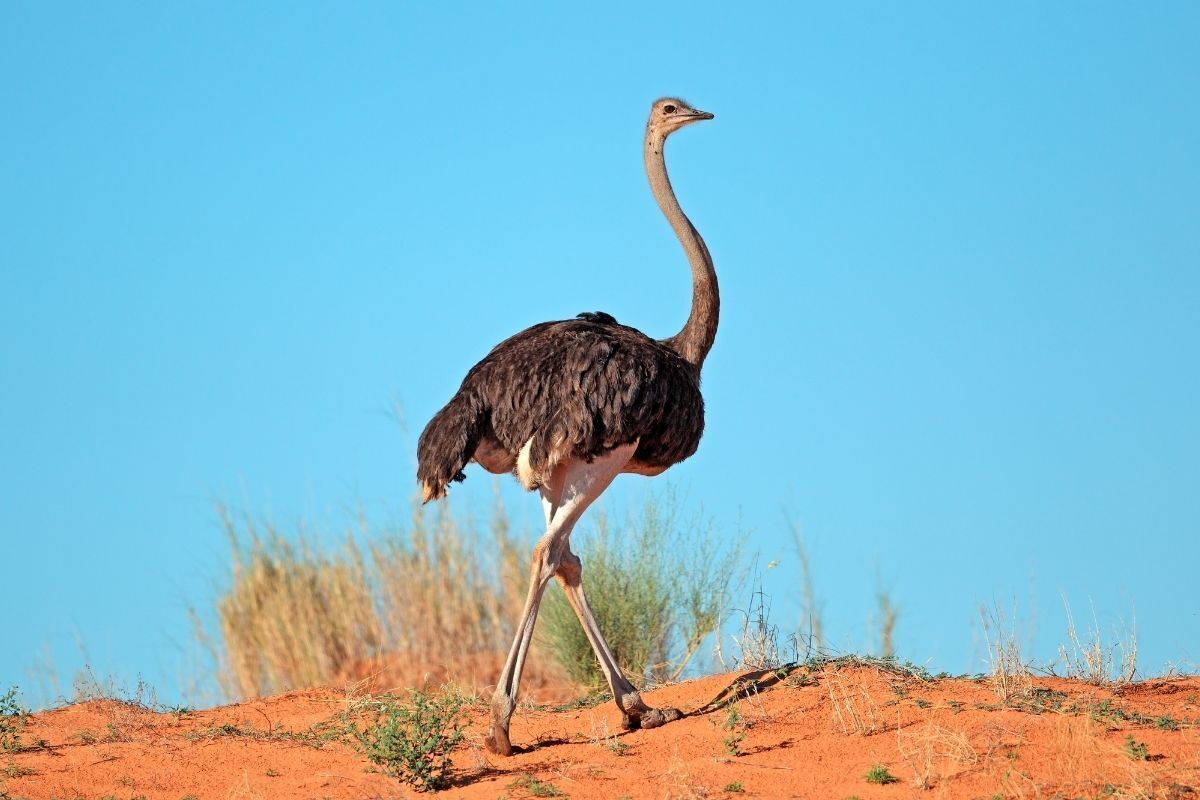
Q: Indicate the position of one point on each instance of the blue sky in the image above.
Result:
(958, 250)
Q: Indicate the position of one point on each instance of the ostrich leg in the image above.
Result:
(581, 484)
(636, 714)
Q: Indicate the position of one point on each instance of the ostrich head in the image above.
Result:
(669, 114)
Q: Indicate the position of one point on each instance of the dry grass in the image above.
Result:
(855, 712)
(935, 754)
(436, 600)
(811, 621)
(885, 622)
(1094, 660)
(409, 606)
(1011, 679)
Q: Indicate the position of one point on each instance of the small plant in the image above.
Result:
(617, 747)
(86, 737)
(879, 774)
(734, 787)
(273, 773)
(535, 787)
(12, 721)
(735, 725)
(13, 770)
(1137, 751)
(412, 742)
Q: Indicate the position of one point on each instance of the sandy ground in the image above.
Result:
(794, 733)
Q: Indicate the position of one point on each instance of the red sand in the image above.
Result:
(809, 735)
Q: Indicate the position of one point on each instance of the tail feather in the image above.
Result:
(447, 444)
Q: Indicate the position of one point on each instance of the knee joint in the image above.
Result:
(570, 568)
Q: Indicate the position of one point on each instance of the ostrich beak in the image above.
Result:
(699, 115)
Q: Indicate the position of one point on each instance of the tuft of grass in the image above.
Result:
(658, 589)
(855, 712)
(315, 737)
(617, 747)
(412, 742)
(536, 788)
(734, 787)
(879, 774)
(1135, 750)
(1092, 659)
(935, 754)
(1011, 679)
(758, 642)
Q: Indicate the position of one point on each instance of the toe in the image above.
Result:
(498, 743)
(660, 716)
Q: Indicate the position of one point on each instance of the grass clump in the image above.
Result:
(879, 774)
(412, 742)
(1135, 750)
(16, 771)
(536, 788)
(734, 787)
(1011, 678)
(12, 722)
(1094, 660)
(658, 589)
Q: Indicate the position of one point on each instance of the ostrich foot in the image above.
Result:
(651, 718)
(497, 741)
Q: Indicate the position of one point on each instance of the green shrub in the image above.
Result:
(879, 774)
(12, 721)
(657, 590)
(735, 728)
(412, 742)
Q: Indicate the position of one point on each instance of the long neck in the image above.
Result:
(696, 338)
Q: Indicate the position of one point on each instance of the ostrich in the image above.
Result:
(568, 406)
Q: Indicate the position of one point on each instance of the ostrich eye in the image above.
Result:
(668, 109)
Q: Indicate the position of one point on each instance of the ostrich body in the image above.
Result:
(568, 406)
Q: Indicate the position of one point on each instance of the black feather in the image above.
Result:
(589, 383)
